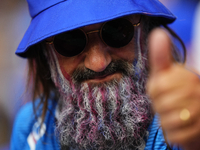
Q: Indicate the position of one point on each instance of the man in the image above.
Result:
(88, 67)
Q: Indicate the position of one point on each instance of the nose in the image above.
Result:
(97, 55)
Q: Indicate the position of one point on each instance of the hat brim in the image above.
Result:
(72, 14)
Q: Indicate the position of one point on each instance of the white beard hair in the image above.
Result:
(134, 105)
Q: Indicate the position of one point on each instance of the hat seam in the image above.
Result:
(30, 43)
(47, 8)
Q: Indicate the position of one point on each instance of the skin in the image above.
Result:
(97, 55)
(173, 88)
(170, 86)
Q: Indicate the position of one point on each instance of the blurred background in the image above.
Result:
(187, 26)
(14, 20)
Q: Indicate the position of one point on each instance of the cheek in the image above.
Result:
(126, 53)
(67, 65)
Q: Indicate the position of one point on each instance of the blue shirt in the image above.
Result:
(27, 136)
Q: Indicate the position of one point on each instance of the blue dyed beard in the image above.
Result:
(111, 115)
(107, 116)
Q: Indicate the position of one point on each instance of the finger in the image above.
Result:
(167, 81)
(176, 99)
(159, 50)
(184, 135)
(171, 121)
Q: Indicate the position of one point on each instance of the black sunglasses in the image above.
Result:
(115, 33)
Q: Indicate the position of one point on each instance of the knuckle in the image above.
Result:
(175, 138)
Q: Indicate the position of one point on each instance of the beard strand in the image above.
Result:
(110, 115)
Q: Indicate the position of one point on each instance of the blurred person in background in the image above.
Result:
(89, 66)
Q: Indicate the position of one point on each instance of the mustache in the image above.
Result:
(82, 73)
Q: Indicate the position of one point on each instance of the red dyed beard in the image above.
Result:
(109, 115)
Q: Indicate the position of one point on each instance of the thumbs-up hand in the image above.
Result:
(175, 93)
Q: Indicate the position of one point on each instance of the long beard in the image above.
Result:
(108, 116)
(112, 115)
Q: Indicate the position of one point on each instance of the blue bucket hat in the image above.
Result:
(51, 17)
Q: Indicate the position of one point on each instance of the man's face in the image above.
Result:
(97, 55)
(102, 101)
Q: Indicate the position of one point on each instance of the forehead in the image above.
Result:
(132, 18)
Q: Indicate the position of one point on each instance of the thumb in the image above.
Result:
(160, 57)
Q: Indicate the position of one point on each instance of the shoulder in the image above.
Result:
(24, 118)
(26, 126)
(22, 126)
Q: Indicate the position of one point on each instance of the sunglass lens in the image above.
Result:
(117, 33)
(70, 43)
